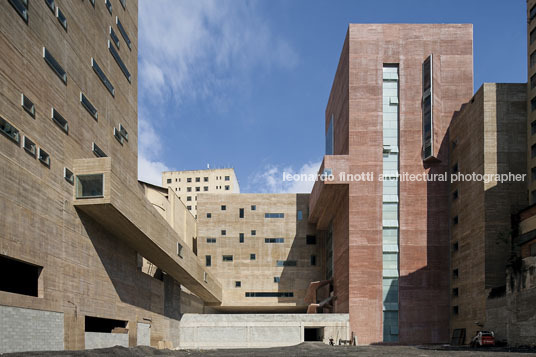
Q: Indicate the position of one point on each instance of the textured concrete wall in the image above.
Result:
(30, 330)
(257, 330)
(143, 334)
(103, 340)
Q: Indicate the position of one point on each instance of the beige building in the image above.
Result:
(261, 248)
(486, 137)
(188, 184)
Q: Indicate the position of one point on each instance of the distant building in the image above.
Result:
(188, 184)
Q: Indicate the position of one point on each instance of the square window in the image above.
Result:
(197, 179)
(310, 240)
(455, 310)
(29, 146)
(68, 175)
(237, 284)
(168, 180)
(253, 232)
(223, 207)
(197, 189)
(188, 198)
(205, 179)
(455, 292)
(44, 157)
(188, 189)
(9, 130)
(209, 215)
(189, 208)
(223, 232)
(252, 256)
(205, 188)
(227, 178)
(189, 179)
(90, 186)
(253, 207)
(533, 104)
(227, 187)
(97, 150)
(277, 279)
(28, 105)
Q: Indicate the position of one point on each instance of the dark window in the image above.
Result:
(89, 107)
(237, 284)
(98, 151)
(455, 246)
(532, 36)
(179, 250)
(455, 292)
(21, 8)
(533, 171)
(533, 104)
(211, 240)
(455, 273)
(253, 207)
(29, 146)
(44, 157)
(168, 180)
(223, 232)
(51, 5)
(198, 189)
(114, 37)
(108, 6)
(533, 82)
(188, 189)
(227, 178)
(310, 240)
(19, 277)
(533, 128)
(123, 3)
(61, 18)
(252, 256)
(89, 186)
(227, 258)
(533, 195)
(28, 105)
(455, 195)
(189, 179)
(274, 240)
(253, 232)
(277, 279)
(533, 12)
(269, 294)
(123, 32)
(241, 239)
(223, 207)
(454, 144)
(455, 168)
(274, 215)
(205, 179)
(427, 113)
(209, 215)
(455, 310)
(227, 187)
(102, 77)
(205, 188)
(313, 259)
(188, 198)
(208, 260)
(68, 175)
(9, 131)
(98, 324)
(189, 208)
(60, 121)
(119, 61)
(241, 213)
(533, 151)
(532, 59)
(286, 263)
(455, 220)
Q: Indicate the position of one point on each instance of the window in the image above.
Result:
(188, 189)
(51, 5)
(188, 198)
(533, 172)
(286, 263)
(533, 151)
(253, 207)
(168, 180)
(454, 143)
(205, 276)
(92, 2)
(114, 37)
(209, 215)
(455, 168)
(238, 284)
(223, 232)
(205, 188)
(123, 3)
(455, 195)
(68, 175)
(310, 240)
(227, 258)
(455, 310)
(533, 128)
(455, 246)
(198, 179)
(179, 250)
(123, 32)
(455, 292)
(108, 6)
(241, 212)
(189, 208)
(89, 107)
(455, 220)
(274, 215)
(61, 18)
(532, 59)
(227, 187)
(29, 146)
(274, 240)
(44, 157)
(205, 179)
(223, 207)
(51, 61)
(253, 232)
(208, 260)
(270, 294)
(9, 130)
(19, 277)
(455, 273)
(98, 151)
(533, 104)
(28, 106)
(103, 77)
(427, 110)
(124, 134)
(533, 196)
(189, 179)
(533, 82)
(277, 279)
(119, 61)
(89, 186)
(313, 260)
(21, 8)
(197, 189)
(227, 178)
(211, 240)
(60, 121)
(97, 324)
(532, 12)
(252, 256)
(241, 238)
(118, 136)
(300, 215)
(532, 36)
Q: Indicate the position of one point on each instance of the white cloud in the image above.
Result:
(270, 180)
(149, 149)
(150, 171)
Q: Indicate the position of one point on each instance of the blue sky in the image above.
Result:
(244, 84)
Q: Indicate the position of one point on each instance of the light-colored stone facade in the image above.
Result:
(188, 184)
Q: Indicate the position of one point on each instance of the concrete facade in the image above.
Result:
(486, 137)
(353, 211)
(258, 243)
(188, 184)
(258, 330)
(30, 330)
(103, 340)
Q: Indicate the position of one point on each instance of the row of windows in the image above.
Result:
(253, 256)
(270, 294)
(29, 146)
(310, 240)
(266, 215)
(197, 179)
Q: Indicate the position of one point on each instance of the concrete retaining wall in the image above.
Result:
(30, 330)
(257, 330)
(103, 340)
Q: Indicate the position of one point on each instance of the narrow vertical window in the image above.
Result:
(61, 18)
(28, 106)
(123, 32)
(427, 109)
(51, 61)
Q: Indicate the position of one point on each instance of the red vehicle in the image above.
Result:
(483, 338)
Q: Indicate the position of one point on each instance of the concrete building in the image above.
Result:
(188, 184)
(487, 137)
(73, 217)
(388, 240)
(261, 248)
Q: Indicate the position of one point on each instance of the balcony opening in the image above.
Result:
(90, 186)
(98, 324)
(313, 334)
(19, 277)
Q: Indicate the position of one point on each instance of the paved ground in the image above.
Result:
(302, 350)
